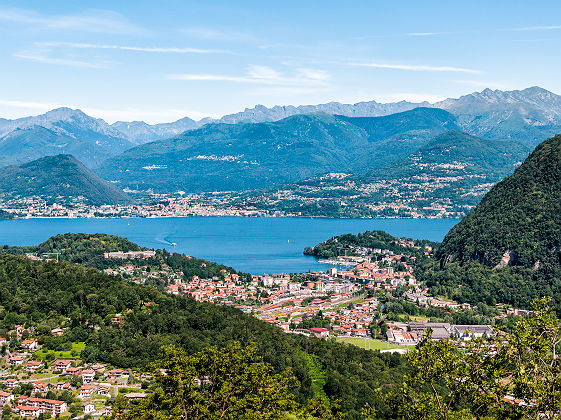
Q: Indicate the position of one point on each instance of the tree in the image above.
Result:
(484, 376)
(215, 383)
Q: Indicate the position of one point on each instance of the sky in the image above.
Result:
(161, 61)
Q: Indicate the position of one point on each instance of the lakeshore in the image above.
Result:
(251, 244)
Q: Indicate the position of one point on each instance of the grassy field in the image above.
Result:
(371, 344)
(76, 347)
(341, 305)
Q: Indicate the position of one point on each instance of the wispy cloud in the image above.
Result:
(402, 35)
(177, 50)
(262, 75)
(41, 58)
(92, 20)
(535, 28)
(414, 67)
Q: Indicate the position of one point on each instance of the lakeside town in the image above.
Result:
(344, 303)
(414, 197)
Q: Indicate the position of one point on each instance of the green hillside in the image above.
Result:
(520, 216)
(451, 172)
(79, 298)
(248, 156)
(58, 178)
(507, 250)
(456, 154)
(24, 145)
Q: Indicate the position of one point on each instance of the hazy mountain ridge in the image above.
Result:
(62, 130)
(141, 132)
(60, 178)
(224, 157)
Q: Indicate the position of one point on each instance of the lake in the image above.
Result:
(251, 244)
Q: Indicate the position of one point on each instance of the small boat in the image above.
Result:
(173, 244)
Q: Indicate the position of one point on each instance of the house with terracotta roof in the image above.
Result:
(12, 383)
(114, 373)
(61, 365)
(32, 365)
(29, 344)
(45, 405)
(28, 411)
(72, 371)
(15, 360)
(5, 397)
(62, 386)
(105, 390)
(86, 392)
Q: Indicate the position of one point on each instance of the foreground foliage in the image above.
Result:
(83, 301)
(517, 376)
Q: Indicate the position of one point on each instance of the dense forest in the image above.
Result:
(59, 179)
(342, 244)
(83, 300)
(87, 249)
(518, 223)
(508, 249)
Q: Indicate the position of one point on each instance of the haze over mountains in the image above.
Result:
(60, 179)
(263, 147)
(249, 156)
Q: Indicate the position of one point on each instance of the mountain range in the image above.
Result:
(266, 147)
(224, 157)
(62, 130)
(59, 178)
(445, 177)
(528, 115)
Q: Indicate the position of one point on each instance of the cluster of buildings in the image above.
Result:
(32, 385)
(156, 205)
(411, 333)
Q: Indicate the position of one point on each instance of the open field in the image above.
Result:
(371, 344)
(76, 348)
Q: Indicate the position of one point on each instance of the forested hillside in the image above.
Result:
(58, 178)
(225, 157)
(83, 300)
(507, 250)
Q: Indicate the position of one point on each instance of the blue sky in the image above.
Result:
(160, 61)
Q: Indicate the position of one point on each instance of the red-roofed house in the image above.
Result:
(32, 365)
(62, 365)
(28, 411)
(320, 332)
(86, 392)
(29, 344)
(5, 397)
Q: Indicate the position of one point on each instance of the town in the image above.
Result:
(348, 303)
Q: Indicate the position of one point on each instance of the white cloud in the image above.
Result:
(403, 35)
(40, 58)
(537, 28)
(262, 75)
(105, 21)
(415, 67)
(178, 50)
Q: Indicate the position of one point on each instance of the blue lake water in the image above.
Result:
(255, 245)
